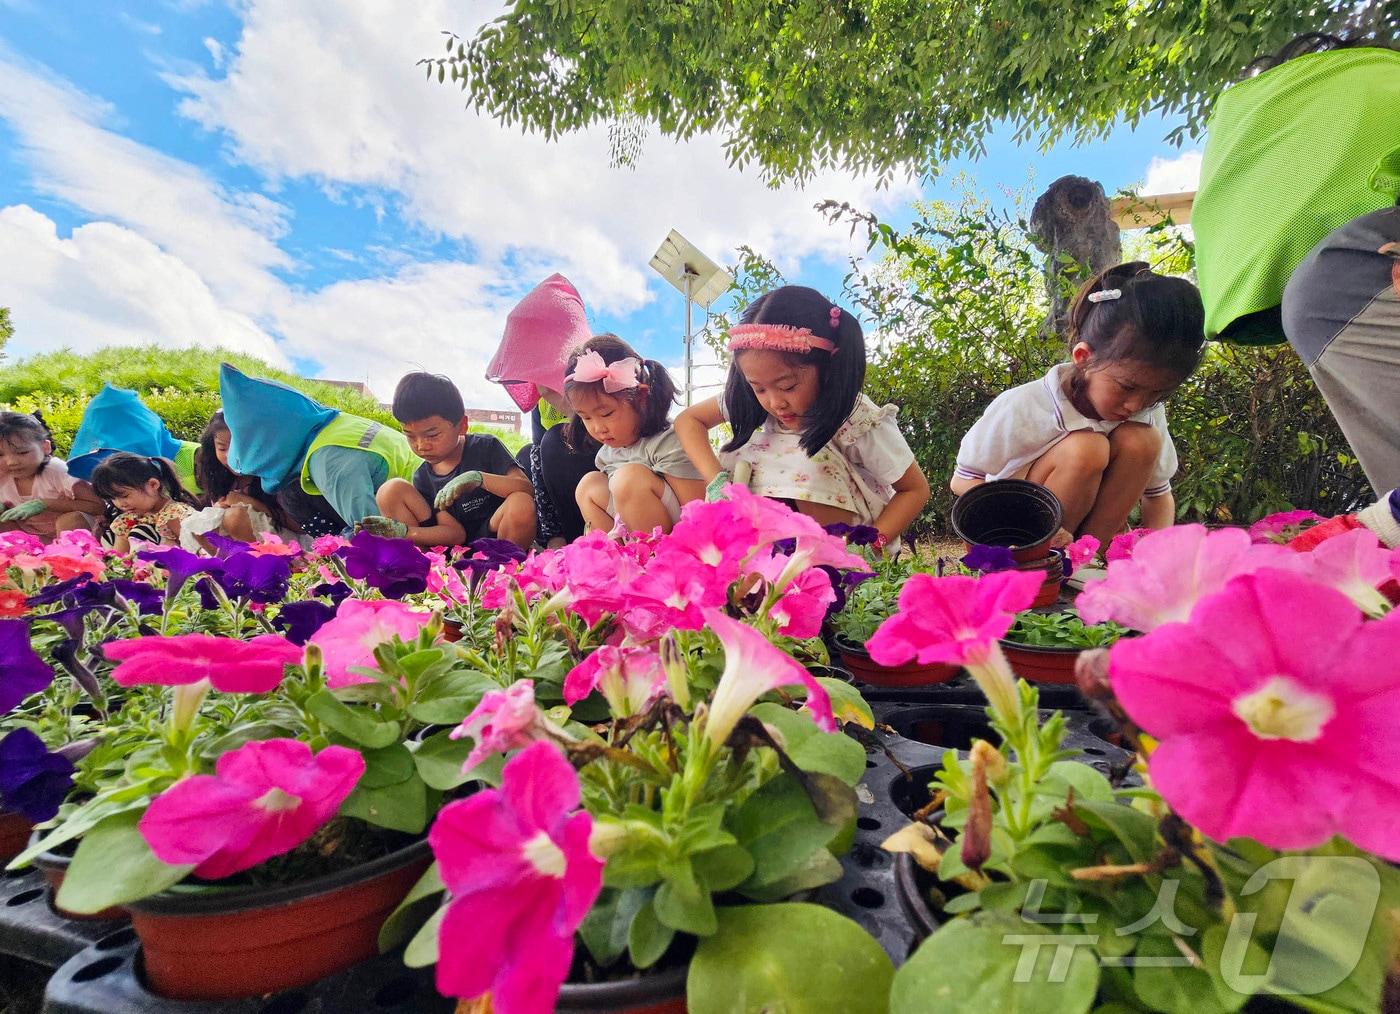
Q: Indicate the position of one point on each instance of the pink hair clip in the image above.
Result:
(1104, 295)
(618, 376)
(835, 318)
(778, 337)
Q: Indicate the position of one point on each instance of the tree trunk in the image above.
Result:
(1072, 223)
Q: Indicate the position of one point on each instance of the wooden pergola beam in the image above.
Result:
(1149, 209)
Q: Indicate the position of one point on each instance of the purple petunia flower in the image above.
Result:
(989, 559)
(32, 780)
(181, 564)
(55, 592)
(22, 672)
(336, 591)
(394, 566)
(855, 535)
(225, 547)
(255, 577)
(300, 620)
(487, 555)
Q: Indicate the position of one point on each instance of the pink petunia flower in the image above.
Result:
(1170, 570)
(752, 668)
(269, 544)
(229, 664)
(670, 594)
(629, 678)
(718, 535)
(1282, 526)
(1355, 564)
(328, 545)
(595, 571)
(960, 620)
(360, 626)
(800, 609)
(1081, 550)
(1276, 708)
(1121, 546)
(264, 799)
(505, 720)
(521, 877)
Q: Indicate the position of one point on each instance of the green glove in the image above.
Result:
(25, 510)
(376, 524)
(462, 484)
(714, 490)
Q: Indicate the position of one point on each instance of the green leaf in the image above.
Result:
(605, 929)
(390, 793)
(647, 937)
(1167, 981)
(970, 965)
(113, 866)
(360, 726)
(794, 958)
(420, 902)
(422, 950)
(847, 704)
(821, 868)
(450, 697)
(681, 901)
(720, 869)
(779, 828)
(832, 753)
(439, 760)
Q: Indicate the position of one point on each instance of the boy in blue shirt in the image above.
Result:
(469, 486)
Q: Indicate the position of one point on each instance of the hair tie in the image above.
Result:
(836, 318)
(1104, 295)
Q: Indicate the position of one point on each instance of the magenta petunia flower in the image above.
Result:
(1282, 526)
(521, 878)
(595, 571)
(802, 606)
(952, 619)
(1081, 550)
(629, 678)
(229, 664)
(670, 594)
(1121, 546)
(1276, 708)
(360, 626)
(1170, 570)
(1355, 564)
(504, 720)
(264, 799)
(752, 668)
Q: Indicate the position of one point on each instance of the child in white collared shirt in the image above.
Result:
(1094, 430)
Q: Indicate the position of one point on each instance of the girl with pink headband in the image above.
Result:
(622, 407)
(803, 431)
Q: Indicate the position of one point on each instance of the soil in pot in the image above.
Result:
(1022, 516)
(657, 990)
(953, 726)
(911, 674)
(226, 942)
(15, 828)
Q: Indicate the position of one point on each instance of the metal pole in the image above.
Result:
(689, 380)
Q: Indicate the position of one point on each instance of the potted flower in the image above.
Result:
(667, 839)
(1043, 645)
(868, 605)
(1043, 880)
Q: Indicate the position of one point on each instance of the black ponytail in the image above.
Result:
(132, 471)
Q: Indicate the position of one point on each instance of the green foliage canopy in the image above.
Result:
(868, 84)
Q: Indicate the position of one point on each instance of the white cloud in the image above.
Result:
(466, 176)
(1173, 175)
(107, 285)
(216, 51)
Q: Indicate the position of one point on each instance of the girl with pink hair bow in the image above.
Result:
(804, 432)
(622, 406)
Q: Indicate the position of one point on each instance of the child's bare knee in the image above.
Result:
(1084, 452)
(592, 489)
(392, 492)
(632, 481)
(1135, 439)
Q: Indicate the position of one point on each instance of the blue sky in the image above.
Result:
(276, 176)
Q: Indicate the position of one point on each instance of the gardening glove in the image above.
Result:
(376, 524)
(457, 488)
(714, 489)
(25, 510)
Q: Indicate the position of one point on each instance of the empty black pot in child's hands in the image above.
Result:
(1019, 515)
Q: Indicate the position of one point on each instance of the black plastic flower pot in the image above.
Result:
(1019, 515)
(218, 944)
(659, 992)
(30, 930)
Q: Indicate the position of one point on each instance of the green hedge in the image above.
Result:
(179, 385)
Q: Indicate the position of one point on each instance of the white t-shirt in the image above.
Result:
(1025, 422)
